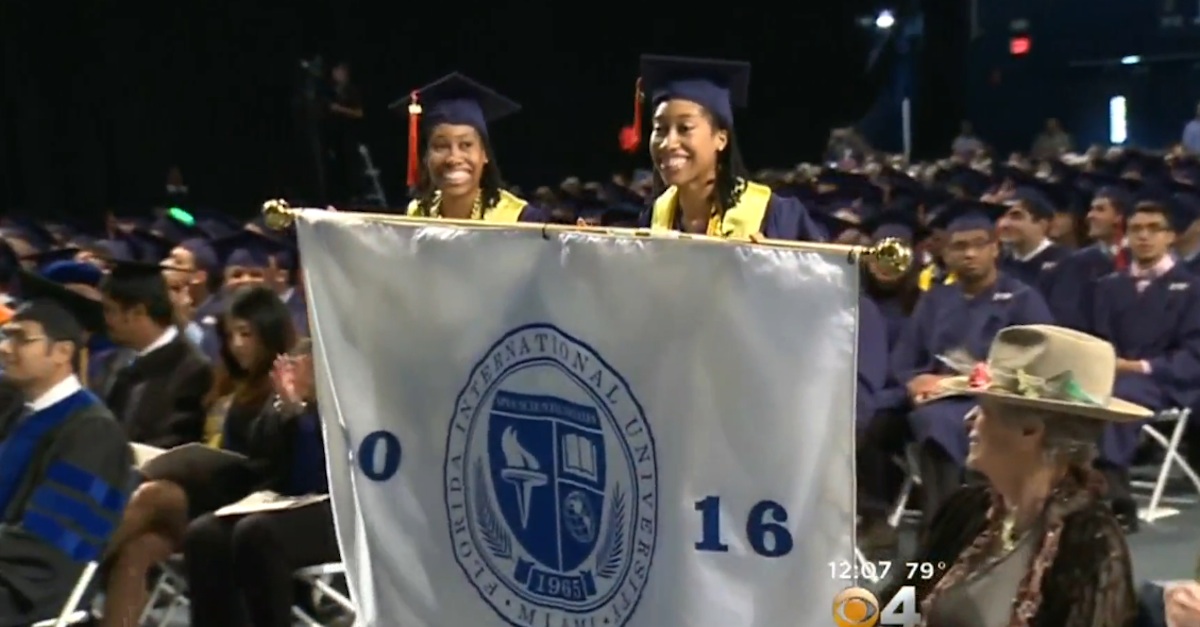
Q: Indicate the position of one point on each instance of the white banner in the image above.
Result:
(578, 430)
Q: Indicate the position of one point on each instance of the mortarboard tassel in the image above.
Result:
(84, 358)
(414, 139)
(631, 136)
(1121, 260)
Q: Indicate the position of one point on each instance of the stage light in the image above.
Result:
(885, 20)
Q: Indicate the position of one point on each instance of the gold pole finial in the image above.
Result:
(891, 256)
(277, 214)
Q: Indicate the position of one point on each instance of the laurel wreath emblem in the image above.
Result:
(490, 524)
(499, 542)
(612, 548)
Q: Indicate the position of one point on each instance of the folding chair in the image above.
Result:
(71, 613)
(1171, 459)
(320, 580)
(171, 587)
(912, 478)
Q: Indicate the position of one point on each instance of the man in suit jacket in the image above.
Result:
(159, 395)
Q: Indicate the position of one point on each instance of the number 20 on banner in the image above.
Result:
(858, 607)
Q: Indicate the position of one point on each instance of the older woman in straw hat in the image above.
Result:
(1036, 545)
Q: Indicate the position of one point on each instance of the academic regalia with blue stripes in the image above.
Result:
(65, 475)
(1160, 325)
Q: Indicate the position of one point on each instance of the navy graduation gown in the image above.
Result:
(206, 316)
(1160, 325)
(787, 218)
(872, 360)
(1032, 271)
(893, 396)
(946, 320)
(1070, 284)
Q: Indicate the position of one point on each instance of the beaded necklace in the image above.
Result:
(435, 210)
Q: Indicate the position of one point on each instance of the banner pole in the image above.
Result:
(889, 254)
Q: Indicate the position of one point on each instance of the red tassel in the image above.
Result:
(414, 141)
(631, 136)
(1121, 259)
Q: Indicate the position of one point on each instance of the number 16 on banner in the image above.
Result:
(858, 607)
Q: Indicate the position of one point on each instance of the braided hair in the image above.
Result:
(490, 182)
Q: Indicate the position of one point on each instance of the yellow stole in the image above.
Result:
(506, 210)
(740, 221)
(926, 279)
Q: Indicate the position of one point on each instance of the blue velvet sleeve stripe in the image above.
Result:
(67, 508)
(50, 531)
(105, 496)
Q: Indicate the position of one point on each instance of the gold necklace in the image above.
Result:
(1008, 534)
(435, 211)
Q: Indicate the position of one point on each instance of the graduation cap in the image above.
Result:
(902, 225)
(30, 232)
(451, 99)
(968, 215)
(67, 272)
(203, 253)
(717, 85)
(966, 181)
(88, 313)
(1135, 163)
(248, 249)
(53, 255)
(214, 224)
(146, 245)
(837, 222)
(1033, 200)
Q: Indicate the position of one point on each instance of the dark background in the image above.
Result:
(95, 106)
(1074, 68)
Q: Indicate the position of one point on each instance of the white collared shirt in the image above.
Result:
(57, 393)
(166, 338)
(1036, 251)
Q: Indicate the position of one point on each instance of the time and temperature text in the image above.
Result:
(877, 570)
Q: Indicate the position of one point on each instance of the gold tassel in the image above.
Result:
(83, 365)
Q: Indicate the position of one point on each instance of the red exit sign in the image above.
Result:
(1020, 45)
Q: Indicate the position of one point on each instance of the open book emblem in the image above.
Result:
(551, 482)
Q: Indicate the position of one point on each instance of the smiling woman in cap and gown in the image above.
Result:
(700, 184)
(962, 318)
(458, 177)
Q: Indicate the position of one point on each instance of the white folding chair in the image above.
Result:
(320, 579)
(171, 587)
(71, 614)
(1171, 459)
